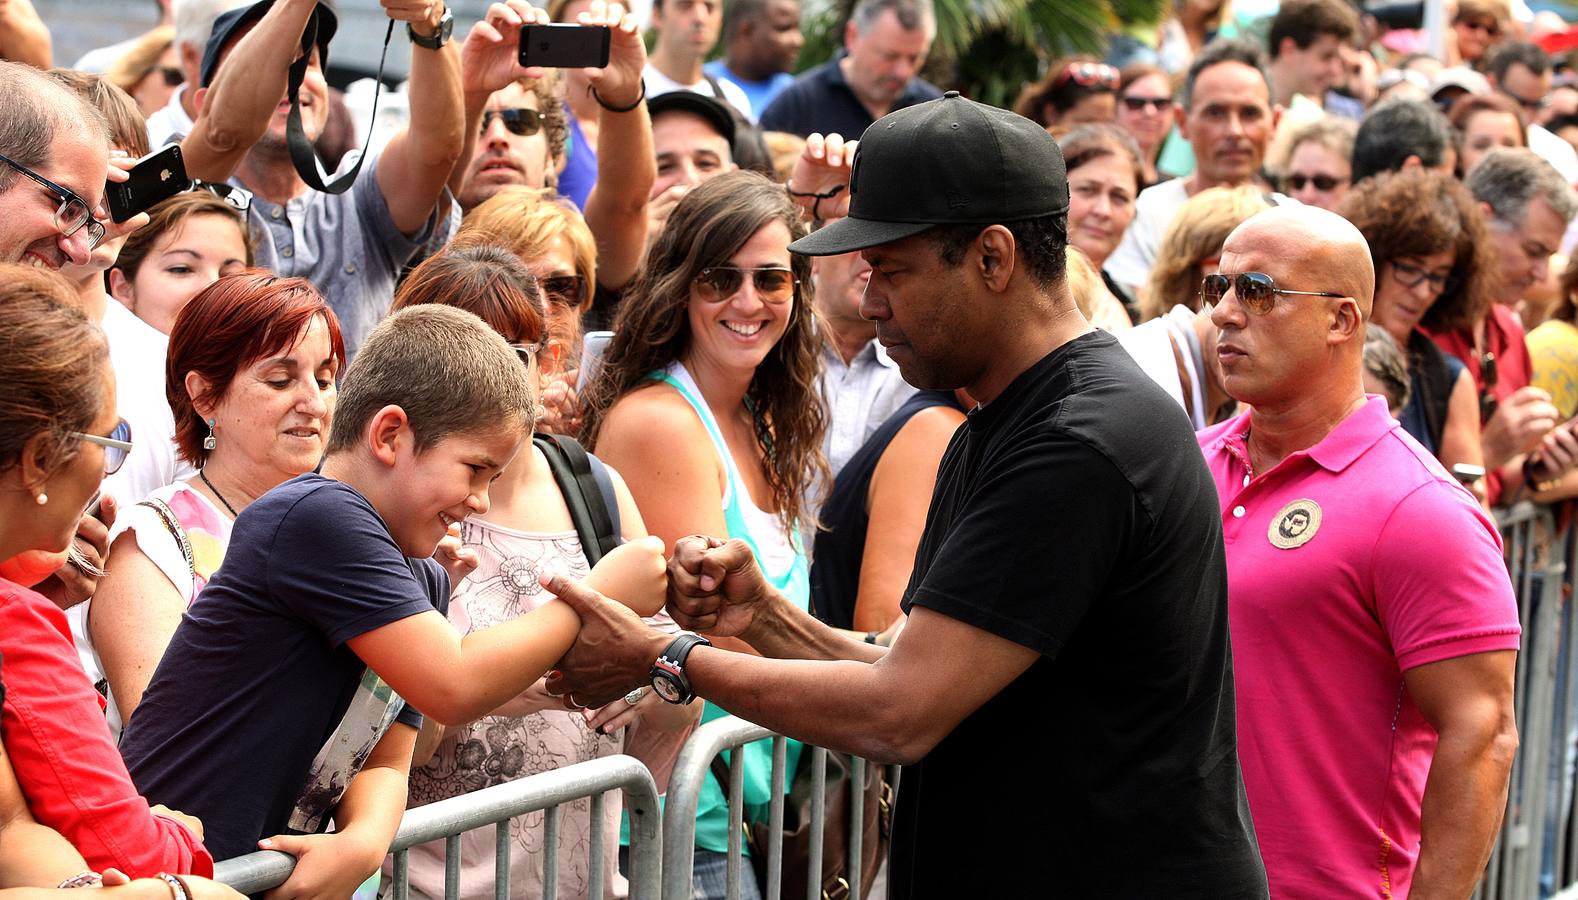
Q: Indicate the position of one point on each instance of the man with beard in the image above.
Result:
(351, 245)
(1226, 114)
(516, 130)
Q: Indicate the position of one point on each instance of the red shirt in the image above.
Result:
(67, 765)
(1348, 564)
(1513, 366)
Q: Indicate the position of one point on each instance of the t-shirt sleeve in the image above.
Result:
(1052, 520)
(333, 564)
(1433, 612)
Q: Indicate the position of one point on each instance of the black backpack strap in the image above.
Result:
(605, 484)
(572, 471)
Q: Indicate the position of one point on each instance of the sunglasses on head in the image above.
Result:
(521, 120)
(1088, 74)
(773, 285)
(1298, 181)
(1138, 104)
(1255, 291)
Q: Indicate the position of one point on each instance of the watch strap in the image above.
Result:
(672, 660)
(438, 38)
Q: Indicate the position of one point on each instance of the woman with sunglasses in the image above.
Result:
(150, 70)
(558, 248)
(1317, 170)
(59, 435)
(1433, 264)
(251, 383)
(1477, 25)
(527, 529)
(1074, 91)
(1145, 111)
(190, 241)
(707, 404)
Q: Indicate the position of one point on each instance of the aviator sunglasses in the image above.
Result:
(522, 121)
(773, 285)
(1256, 291)
(1297, 181)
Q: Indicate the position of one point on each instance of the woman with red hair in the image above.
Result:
(250, 378)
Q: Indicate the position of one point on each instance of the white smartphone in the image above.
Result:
(592, 348)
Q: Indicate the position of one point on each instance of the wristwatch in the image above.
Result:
(446, 26)
(668, 673)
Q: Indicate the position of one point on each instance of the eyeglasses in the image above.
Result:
(773, 285)
(1297, 182)
(1410, 277)
(568, 290)
(529, 352)
(1256, 291)
(1088, 74)
(1138, 104)
(521, 120)
(74, 212)
(240, 198)
(1491, 27)
(116, 447)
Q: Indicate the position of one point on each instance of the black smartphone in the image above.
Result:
(564, 46)
(158, 176)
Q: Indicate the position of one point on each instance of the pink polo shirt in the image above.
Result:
(1348, 564)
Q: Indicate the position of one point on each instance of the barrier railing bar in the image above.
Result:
(452, 867)
(813, 890)
(258, 872)
(550, 856)
(731, 883)
(775, 821)
(501, 860)
(693, 766)
(595, 888)
(857, 823)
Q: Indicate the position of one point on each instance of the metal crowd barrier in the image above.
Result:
(497, 805)
(1534, 855)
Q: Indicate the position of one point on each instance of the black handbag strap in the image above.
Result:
(585, 498)
(302, 153)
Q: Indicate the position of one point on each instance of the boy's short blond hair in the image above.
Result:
(445, 367)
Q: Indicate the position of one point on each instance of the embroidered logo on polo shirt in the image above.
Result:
(1294, 525)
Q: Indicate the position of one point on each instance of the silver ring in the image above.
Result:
(635, 696)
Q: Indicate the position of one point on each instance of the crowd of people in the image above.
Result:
(1171, 408)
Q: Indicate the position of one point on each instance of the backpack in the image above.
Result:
(588, 493)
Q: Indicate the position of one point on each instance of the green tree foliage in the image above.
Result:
(989, 49)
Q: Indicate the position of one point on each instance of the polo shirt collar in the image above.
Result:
(1338, 449)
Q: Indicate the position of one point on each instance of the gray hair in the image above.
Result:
(1508, 178)
(1335, 133)
(913, 15)
(33, 109)
(1224, 50)
(194, 19)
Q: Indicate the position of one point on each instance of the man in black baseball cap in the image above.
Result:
(1062, 694)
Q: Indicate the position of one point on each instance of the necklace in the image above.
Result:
(204, 475)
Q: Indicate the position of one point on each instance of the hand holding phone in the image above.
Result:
(561, 46)
(158, 176)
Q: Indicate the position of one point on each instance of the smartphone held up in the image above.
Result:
(158, 176)
(561, 46)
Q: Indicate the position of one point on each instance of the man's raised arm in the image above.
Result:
(414, 167)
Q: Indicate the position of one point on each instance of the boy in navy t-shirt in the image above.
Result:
(278, 703)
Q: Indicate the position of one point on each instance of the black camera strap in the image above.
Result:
(302, 153)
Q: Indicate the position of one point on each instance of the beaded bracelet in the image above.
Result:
(178, 889)
(85, 879)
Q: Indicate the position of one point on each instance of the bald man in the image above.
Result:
(1374, 682)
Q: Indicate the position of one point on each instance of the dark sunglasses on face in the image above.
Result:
(173, 77)
(73, 214)
(568, 290)
(773, 285)
(1088, 74)
(1137, 104)
(1297, 182)
(1256, 291)
(1410, 276)
(1491, 27)
(117, 446)
(521, 121)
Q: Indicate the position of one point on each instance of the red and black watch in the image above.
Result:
(668, 673)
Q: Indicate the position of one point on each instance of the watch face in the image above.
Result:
(667, 689)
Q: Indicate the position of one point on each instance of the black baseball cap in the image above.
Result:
(711, 111)
(950, 161)
(226, 26)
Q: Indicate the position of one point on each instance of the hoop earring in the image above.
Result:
(210, 442)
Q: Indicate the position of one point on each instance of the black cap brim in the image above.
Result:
(849, 234)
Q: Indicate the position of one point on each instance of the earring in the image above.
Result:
(42, 498)
(210, 442)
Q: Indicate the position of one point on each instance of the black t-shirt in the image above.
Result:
(1074, 515)
(260, 714)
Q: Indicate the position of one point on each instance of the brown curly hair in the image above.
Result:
(1417, 212)
(652, 330)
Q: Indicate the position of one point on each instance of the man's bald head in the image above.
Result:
(1313, 241)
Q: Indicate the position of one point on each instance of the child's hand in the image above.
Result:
(457, 559)
(325, 867)
(635, 574)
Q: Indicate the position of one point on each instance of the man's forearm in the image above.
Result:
(616, 211)
(1465, 799)
(785, 631)
(237, 107)
(436, 108)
